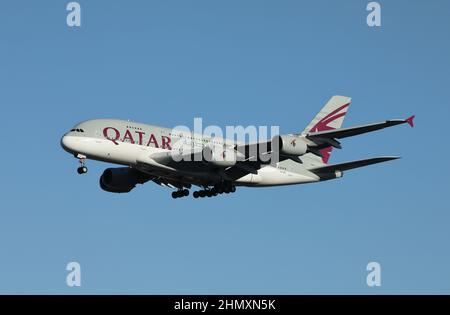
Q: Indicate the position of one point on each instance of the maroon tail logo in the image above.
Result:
(322, 125)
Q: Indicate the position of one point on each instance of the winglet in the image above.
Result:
(410, 120)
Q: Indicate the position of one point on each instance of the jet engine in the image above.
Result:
(122, 179)
(219, 156)
(290, 145)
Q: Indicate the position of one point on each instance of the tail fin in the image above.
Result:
(330, 117)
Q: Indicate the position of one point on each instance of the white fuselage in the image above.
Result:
(133, 144)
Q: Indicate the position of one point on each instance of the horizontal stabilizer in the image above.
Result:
(350, 165)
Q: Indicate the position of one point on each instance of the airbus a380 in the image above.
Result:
(216, 165)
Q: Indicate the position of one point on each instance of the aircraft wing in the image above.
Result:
(171, 183)
(322, 139)
(254, 156)
(354, 131)
(350, 165)
(251, 151)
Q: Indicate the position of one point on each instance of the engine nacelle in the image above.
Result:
(290, 145)
(218, 156)
(122, 179)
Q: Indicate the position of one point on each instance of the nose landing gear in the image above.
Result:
(82, 169)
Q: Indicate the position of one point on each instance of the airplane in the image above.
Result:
(180, 160)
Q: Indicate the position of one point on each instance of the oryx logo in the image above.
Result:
(294, 142)
(323, 125)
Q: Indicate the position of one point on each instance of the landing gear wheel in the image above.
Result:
(82, 170)
(82, 159)
(180, 193)
(195, 194)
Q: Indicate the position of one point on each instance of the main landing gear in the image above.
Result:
(82, 169)
(216, 190)
(180, 193)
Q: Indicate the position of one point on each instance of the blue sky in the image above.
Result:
(231, 63)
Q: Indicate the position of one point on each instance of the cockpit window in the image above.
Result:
(77, 130)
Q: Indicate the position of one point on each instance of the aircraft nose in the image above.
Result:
(64, 142)
(67, 143)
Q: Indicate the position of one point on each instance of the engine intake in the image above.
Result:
(122, 179)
